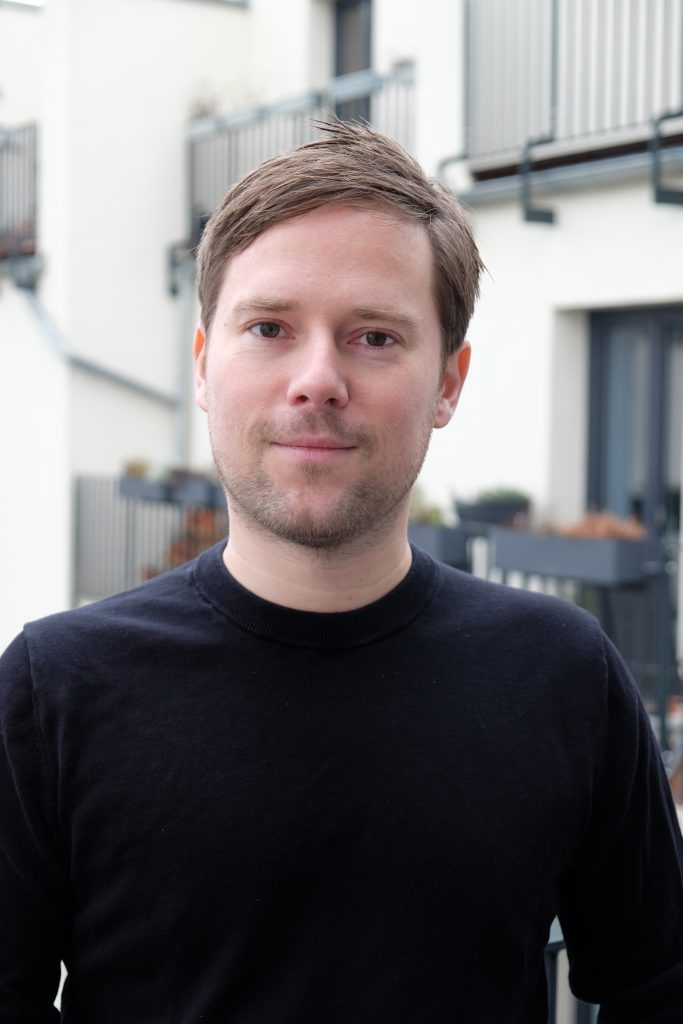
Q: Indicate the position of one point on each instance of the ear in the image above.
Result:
(199, 352)
(454, 376)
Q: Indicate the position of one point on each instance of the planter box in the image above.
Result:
(445, 543)
(601, 561)
(182, 492)
(142, 489)
(198, 492)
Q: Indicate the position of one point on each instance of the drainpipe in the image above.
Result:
(56, 341)
(184, 282)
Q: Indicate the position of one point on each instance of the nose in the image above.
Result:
(318, 379)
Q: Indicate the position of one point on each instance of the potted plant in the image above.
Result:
(137, 483)
(428, 531)
(501, 506)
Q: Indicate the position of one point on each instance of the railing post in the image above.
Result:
(532, 213)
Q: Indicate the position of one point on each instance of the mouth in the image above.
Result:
(314, 449)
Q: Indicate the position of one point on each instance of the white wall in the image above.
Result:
(321, 43)
(285, 50)
(121, 77)
(430, 34)
(35, 507)
(137, 429)
(21, 50)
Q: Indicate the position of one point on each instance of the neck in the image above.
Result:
(309, 579)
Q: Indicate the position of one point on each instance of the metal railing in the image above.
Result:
(18, 192)
(568, 71)
(121, 541)
(220, 151)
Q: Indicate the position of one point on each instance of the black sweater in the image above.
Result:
(216, 809)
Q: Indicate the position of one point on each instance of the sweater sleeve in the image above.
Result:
(33, 903)
(621, 907)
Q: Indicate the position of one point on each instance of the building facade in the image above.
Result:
(559, 124)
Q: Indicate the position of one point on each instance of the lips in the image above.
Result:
(315, 442)
(313, 450)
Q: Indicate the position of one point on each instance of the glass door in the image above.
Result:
(636, 417)
(635, 462)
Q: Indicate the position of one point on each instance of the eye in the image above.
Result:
(377, 339)
(266, 329)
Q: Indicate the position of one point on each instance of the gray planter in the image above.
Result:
(491, 513)
(445, 543)
(190, 491)
(601, 561)
(142, 489)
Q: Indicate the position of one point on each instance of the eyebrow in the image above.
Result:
(379, 313)
(368, 313)
(263, 305)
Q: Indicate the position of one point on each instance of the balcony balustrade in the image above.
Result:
(220, 151)
(569, 78)
(18, 198)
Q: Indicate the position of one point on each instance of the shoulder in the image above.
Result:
(535, 644)
(494, 607)
(151, 614)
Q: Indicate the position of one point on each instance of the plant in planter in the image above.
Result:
(137, 482)
(427, 531)
(502, 506)
(601, 549)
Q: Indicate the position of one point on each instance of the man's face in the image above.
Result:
(322, 375)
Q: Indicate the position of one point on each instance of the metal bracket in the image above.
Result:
(533, 213)
(662, 194)
(456, 158)
(176, 255)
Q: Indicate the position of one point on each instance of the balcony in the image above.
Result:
(129, 529)
(562, 83)
(18, 203)
(220, 151)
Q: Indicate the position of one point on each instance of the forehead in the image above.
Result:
(345, 246)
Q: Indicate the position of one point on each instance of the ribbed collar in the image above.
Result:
(322, 631)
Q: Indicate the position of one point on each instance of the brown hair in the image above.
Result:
(351, 162)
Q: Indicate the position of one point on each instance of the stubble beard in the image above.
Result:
(360, 511)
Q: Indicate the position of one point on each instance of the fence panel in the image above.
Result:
(18, 188)
(569, 70)
(224, 150)
(120, 542)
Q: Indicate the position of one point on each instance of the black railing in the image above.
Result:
(223, 150)
(591, 73)
(18, 193)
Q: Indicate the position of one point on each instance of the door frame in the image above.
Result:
(657, 322)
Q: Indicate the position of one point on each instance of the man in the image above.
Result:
(313, 775)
